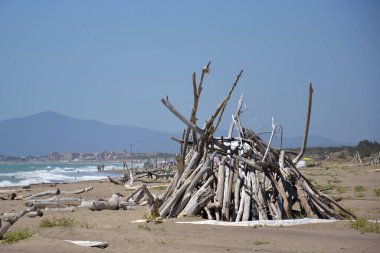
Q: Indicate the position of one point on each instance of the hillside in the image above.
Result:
(48, 132)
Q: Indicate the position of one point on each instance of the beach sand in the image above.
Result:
(116, 227)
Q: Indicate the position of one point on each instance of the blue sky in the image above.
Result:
(113, 61)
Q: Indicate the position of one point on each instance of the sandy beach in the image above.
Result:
(123, 235)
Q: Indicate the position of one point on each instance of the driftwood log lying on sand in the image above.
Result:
(238, 178)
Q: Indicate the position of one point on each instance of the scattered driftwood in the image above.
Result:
(62, 204)
(238, 178)
(10, 219)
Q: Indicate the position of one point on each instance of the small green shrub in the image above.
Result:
(161, 187)
(341, 189)
(152, 218)
(365, 226)
(359, 188)
(144, 226)
(260, 242)
(359, 195)
(57, 222)
(377, 192)
(255, 226)
(15, 236)
(86, 225)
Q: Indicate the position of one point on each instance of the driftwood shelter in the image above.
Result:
(238, 177)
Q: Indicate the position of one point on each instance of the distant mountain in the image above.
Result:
(312, 141)
(49, 132)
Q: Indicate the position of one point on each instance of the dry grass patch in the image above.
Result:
(15, 236)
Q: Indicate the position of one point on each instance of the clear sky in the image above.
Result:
(113, 61)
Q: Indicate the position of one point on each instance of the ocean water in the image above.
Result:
(34, 173)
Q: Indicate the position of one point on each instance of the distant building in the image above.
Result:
(54, 156)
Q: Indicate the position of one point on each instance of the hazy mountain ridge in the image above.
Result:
(48, 132)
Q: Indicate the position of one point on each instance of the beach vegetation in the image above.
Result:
(255, 226)
(260, 242)
(86, 225)
(341, 189)
(57, 222)
(144, 227)
(377, 192)
(152, 218)
(365, 226)
(359, 189)
(161, 187)
(17, 235)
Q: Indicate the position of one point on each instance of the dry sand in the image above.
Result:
(116, 228)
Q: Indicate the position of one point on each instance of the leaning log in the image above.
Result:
(10, 220)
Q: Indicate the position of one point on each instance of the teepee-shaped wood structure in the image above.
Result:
(238, 178)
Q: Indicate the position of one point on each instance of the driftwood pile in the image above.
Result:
(238, 178)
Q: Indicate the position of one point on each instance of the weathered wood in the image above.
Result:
(226, 211)
(220, 108)
(306, 132)
(171, 108)
(98, 205)
(34, 214)
(199, 200)
(153, 201)
(270, 140)
(45, 193)
(205, 168)
(114, 181)
(86, 189)
(235, 119)
(247, 198)
(54, 202)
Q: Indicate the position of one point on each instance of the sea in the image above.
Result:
(22, 174)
